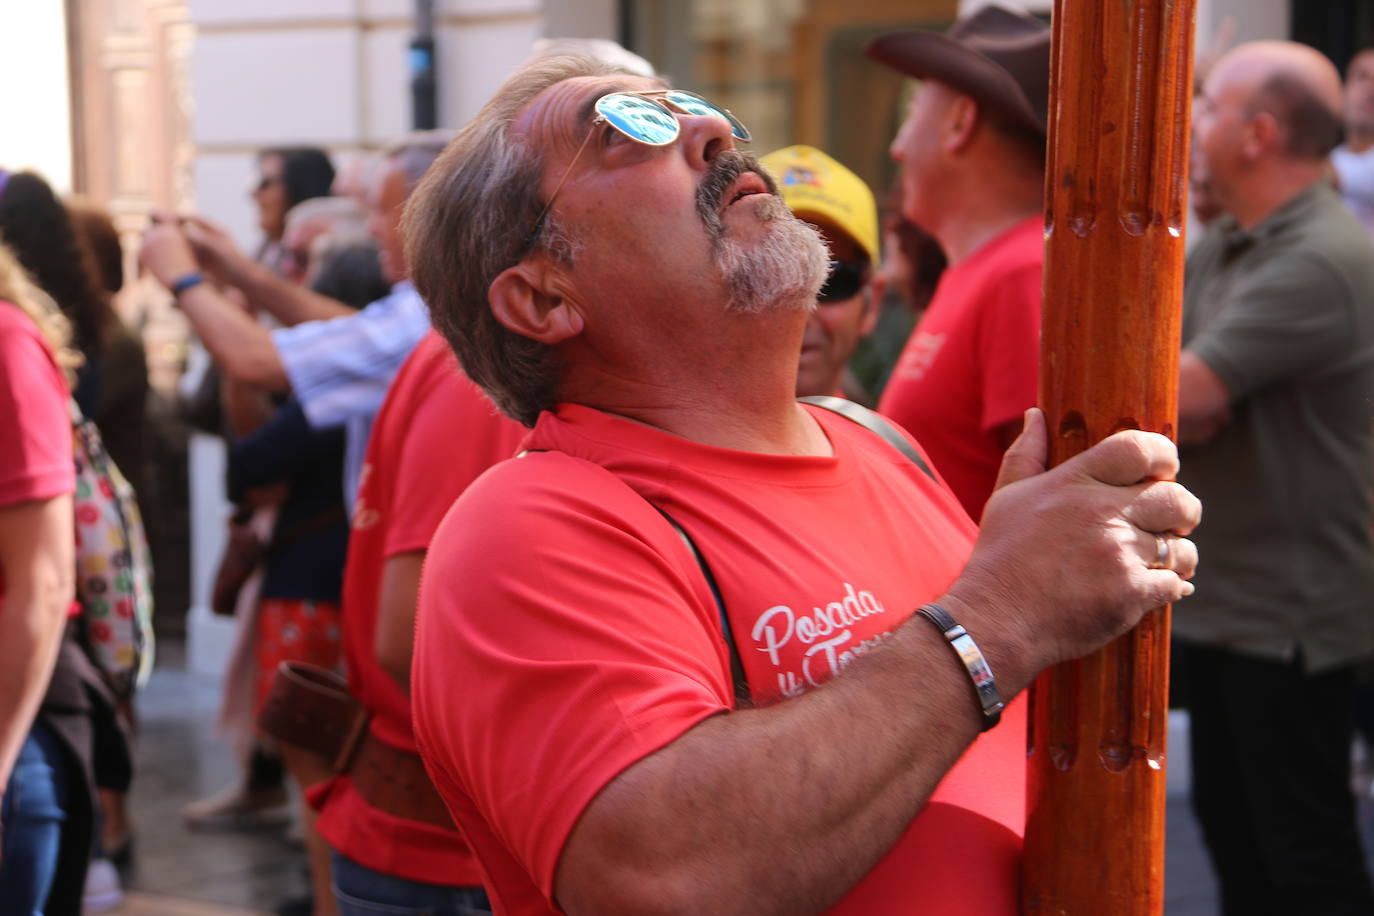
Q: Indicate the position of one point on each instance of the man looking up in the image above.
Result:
(1354, 159)
(617, 275)
(830, 197)
(1275, 382)
(972, 157)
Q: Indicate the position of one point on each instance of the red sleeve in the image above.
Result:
(1009, 346)
(582, 636)
(36, 459)
(432, 464)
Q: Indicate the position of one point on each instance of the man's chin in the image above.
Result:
(780, 270)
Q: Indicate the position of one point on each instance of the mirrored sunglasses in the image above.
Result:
(846, 279)
(649, 117)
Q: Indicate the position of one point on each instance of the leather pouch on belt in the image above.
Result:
(318, 725)
(321, 731)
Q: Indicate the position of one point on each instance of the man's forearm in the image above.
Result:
(290, 303)
(773, 811)
(394, 631)
(1204, 402)
(242, 347)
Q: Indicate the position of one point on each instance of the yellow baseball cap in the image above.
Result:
(817, 187)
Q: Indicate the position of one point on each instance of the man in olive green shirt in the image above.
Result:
(1276, 381)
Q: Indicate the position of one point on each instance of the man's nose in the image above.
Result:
(704, 137)
(896, 148)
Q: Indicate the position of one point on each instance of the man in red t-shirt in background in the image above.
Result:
(435, 433)
(830, 197)
(776, 705)
(972, 153)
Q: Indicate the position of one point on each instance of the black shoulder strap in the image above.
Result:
(873, 422)
(742, 695)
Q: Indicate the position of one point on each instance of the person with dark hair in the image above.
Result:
(287, 176)
(120, 414)
(121, 407)
(296, 468)
(1275, 382)
(1354, 159)
(96, 230)
(35, 225)
(972, 158)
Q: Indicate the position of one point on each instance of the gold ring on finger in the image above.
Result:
(1164, 553)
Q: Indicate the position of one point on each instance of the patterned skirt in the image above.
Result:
(296, 630)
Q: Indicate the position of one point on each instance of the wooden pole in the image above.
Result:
(1120, 95)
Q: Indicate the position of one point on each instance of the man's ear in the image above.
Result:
(530, 299)
(1262, 134)
(961, 120)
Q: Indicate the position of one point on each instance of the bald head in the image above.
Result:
(1294, 83)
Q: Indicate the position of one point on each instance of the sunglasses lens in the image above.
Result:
(638, 118)
(845, 280)
(696, 105)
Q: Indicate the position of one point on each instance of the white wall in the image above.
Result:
(580, 19)
(1242, 20)
(334, 73)
(33, 67)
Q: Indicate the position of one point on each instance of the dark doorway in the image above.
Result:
(1338, 28)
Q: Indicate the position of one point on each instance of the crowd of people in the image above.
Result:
(557, 515)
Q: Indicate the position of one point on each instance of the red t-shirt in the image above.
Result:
(971, 363)
(435, 433)
(566, 632)
(35, 428)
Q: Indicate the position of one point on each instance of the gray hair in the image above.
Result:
(343, 214)
(416, 151)
(473, 217)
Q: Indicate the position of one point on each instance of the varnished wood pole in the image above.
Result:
(1120, 93)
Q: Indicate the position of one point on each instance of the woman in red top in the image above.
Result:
(36, 580)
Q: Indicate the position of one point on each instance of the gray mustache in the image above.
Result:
(725, 169)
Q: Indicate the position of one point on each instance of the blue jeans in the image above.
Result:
(32, 815)
(364, 892)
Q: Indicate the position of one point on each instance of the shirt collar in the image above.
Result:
(1296, 210)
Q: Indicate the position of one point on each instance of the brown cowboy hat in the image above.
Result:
(999, 58)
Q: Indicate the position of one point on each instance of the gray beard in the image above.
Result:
(785, 270)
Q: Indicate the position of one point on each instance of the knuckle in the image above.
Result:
(1129, 445)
